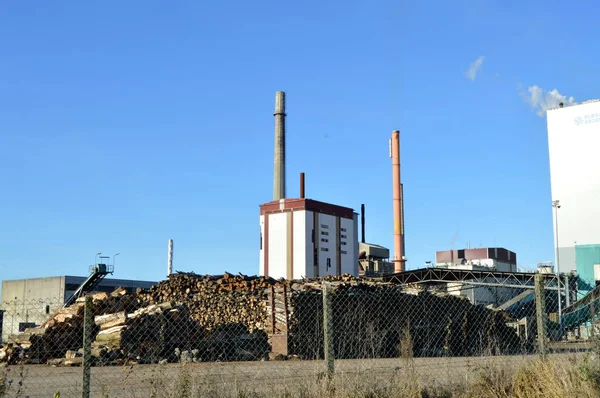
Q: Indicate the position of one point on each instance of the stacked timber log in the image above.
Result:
(230, 310)
(382, 321)
(229, 317)
(62, 332)
(147, 335)
(217, 300)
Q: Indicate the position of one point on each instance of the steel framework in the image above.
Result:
(523, 280)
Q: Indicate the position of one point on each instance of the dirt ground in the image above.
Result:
(142, 380)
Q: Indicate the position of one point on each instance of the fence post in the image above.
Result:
(540, 309)
(328, 329)
(88, 324)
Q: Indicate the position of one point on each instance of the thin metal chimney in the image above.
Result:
(279, 161)
(399, 258)
(302, 186)
(362, 223)
(170, 258)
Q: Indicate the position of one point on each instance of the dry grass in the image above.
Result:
(549, 379)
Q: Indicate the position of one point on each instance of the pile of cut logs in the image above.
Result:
(228, 317)
(216, 300)
(62, 333)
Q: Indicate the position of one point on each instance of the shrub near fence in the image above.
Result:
(243, 320)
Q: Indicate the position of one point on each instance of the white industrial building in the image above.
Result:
(479, 259)
(307, 238)
(573, 142)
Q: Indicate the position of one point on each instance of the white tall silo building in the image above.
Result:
(574, 148)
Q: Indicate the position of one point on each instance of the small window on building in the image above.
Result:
(343, 236)
(261, 241)
(47, 309)
(324, 240)
(324, 249)
(343, 243)
(26, 325)
(344, 252)
(328, 263)
(343, 229)
(324, 226)
(324, 233)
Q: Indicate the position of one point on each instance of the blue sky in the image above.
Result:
(124, 124)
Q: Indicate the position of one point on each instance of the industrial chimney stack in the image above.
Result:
(279, 161)
(399, 258)
(362, 223)
(170, 258)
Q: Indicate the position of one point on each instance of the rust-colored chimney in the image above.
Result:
(398, 211)
(302, 186)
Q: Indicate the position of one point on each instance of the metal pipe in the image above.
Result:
(170, 258)
(567, 292)
(397, 190)
(362, 223)
(279, 158)
(302, 186)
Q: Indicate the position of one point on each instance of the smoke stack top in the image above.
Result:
(279, 157)
(302, 196)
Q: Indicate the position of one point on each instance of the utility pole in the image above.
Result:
(556, 206)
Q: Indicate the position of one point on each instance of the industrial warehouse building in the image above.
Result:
(26, 302)
(479, 259)
(573, 142)
(307, 238)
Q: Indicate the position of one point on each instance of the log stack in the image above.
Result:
(147, 335)
(62, 331)
(217, 300)
(383, 321)
(230, 318)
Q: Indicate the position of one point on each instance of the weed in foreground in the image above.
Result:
(5, 383)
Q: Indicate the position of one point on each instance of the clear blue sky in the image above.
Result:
(124, 124)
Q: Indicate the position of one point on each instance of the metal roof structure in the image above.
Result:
(470, 277)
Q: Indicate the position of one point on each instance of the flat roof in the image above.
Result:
(80, 279)
(296, 204)
(575, 104)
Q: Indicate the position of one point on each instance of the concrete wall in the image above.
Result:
(327, 236)
(293, 238)
(277, 245)
(30, 301)
(573, 141)
(349, 246)
(302, 245)
(261, 260)
(52, 288)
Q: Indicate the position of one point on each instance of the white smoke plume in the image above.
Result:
(474, 68)
(542, 100)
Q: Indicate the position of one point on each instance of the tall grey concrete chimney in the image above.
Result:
(279, 161)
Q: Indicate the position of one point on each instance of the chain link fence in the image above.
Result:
(211, 335)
